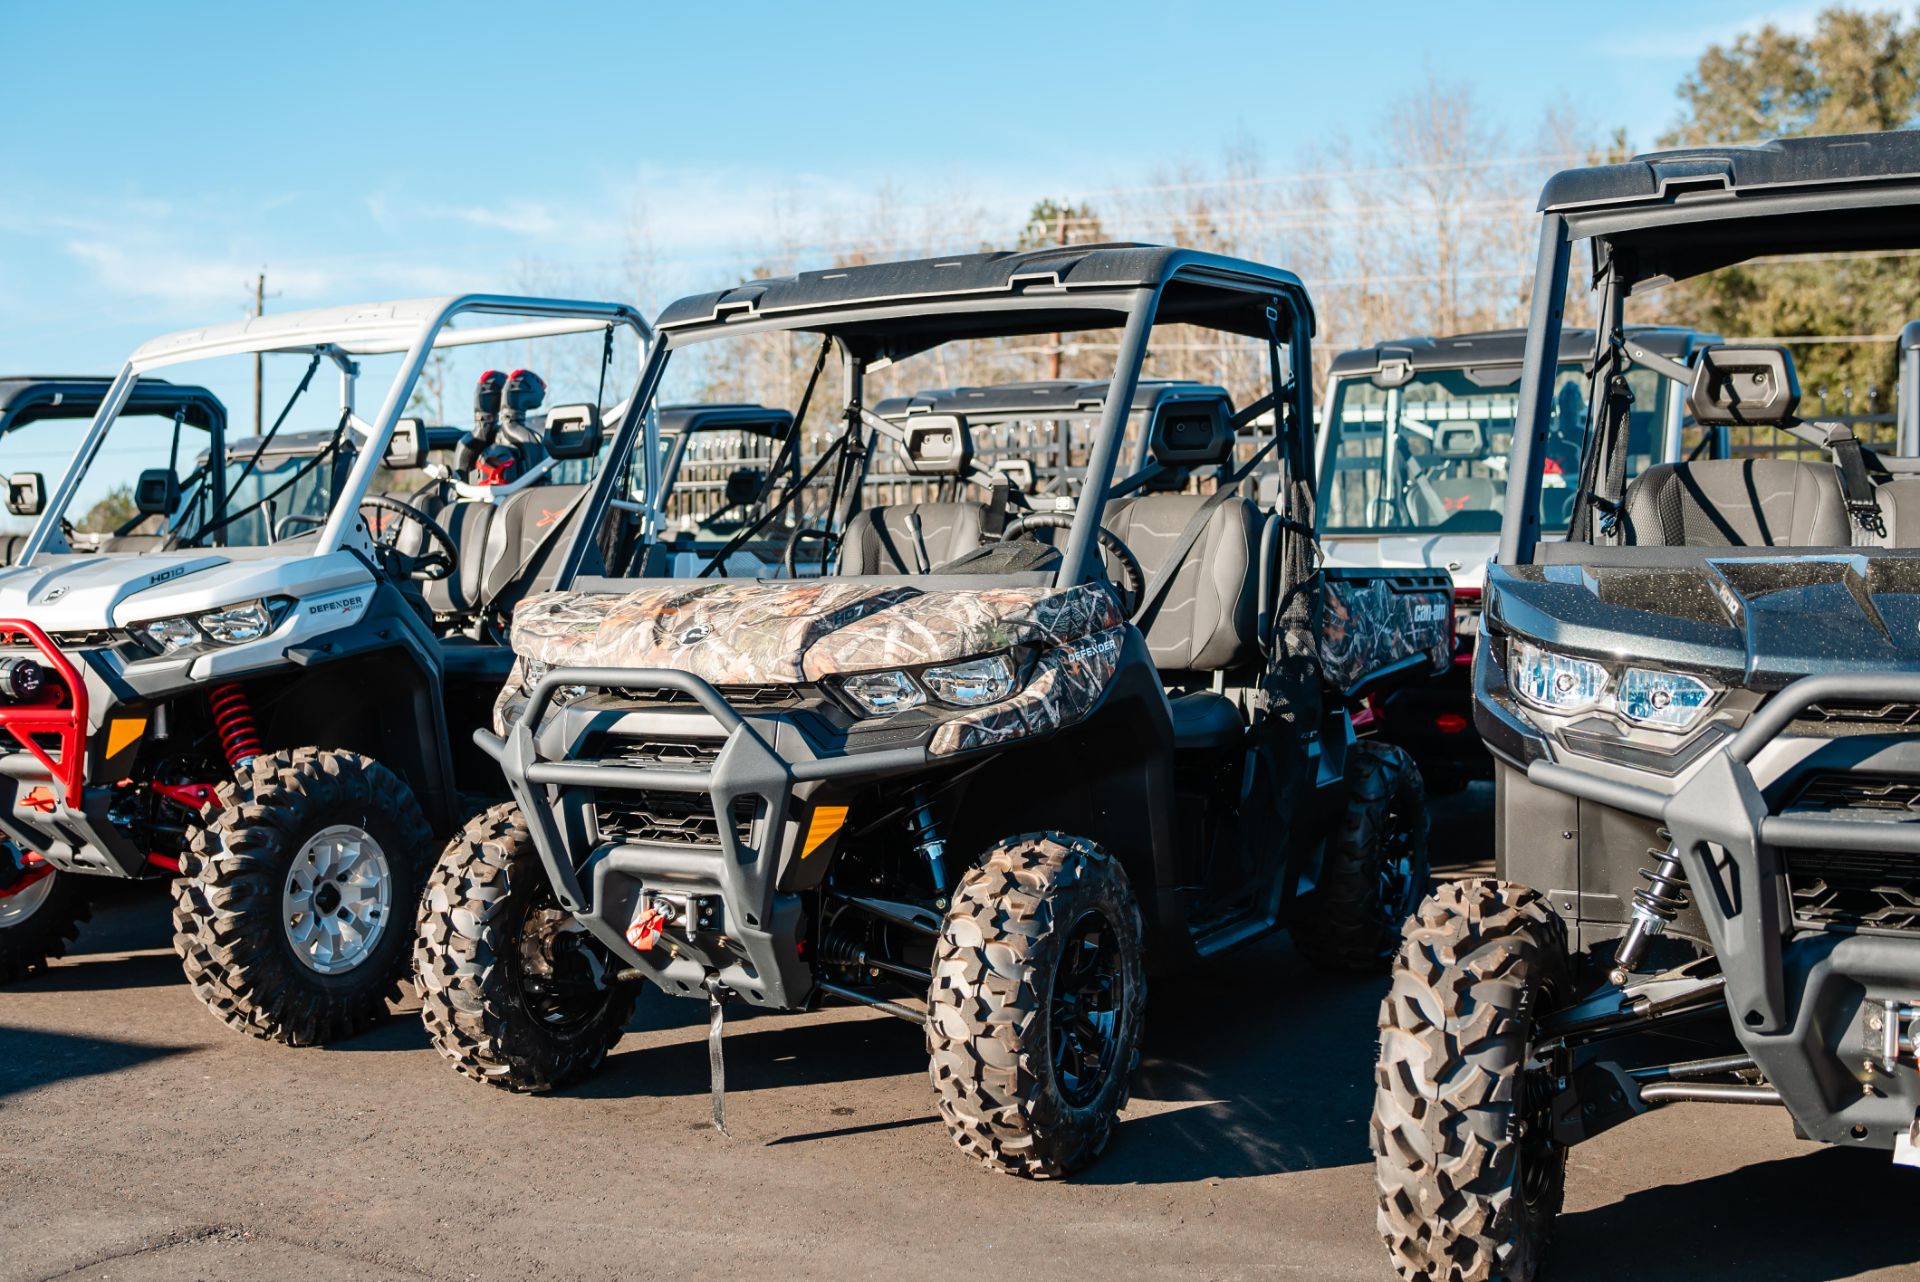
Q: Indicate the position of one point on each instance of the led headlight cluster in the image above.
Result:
(970, 683)
(228, 625)
(1562, 684)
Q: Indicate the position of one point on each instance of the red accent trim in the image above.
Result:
(167, 862)
(492, 473)
(1462, 596)
(23, 721)
(1450, 723)
(41, 798)
(197, 797)
(1464, 660)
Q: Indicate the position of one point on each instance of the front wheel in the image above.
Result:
(290, 915)
(1468, 1173)
(1376, 864)
(1038, 998)
(40, 914)
(513, 990)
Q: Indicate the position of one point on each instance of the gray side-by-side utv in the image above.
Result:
(1704, 711)
(264, 697)
(987, 764)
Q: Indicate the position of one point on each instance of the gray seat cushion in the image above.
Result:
(909, 538)
(1206, 620)
(1737, 503)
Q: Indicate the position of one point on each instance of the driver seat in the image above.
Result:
(909, 538)
(1206, 620)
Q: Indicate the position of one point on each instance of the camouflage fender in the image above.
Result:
(1068, 681)
(1368, 625)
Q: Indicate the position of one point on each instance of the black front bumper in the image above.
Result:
(761, 768)
(1810, 1006)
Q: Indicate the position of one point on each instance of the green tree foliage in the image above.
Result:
(1856, 72)
(110, 513)
(1059, 222)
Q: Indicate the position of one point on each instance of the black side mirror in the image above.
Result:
(26, 494)
(744, 485)
(1744, 385)
(408, 447)
(573, 432)
(157, 492)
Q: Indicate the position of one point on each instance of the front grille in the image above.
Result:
(1845, 790)
(737, 696)
(1891, 716)
(1854, 890)
(672, 818)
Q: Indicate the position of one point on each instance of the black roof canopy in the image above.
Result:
(892, 310)
(1043, 396)
(1847, 193)
(1498, 347)
(28, 398)
(745, 417)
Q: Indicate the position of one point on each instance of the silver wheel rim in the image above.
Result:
(338, 898)
(22, 904)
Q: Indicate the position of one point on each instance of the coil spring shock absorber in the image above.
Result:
(233, 721)
(1655, 906)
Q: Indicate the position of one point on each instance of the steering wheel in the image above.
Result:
(435, 563)
(1133, 583)
(828, 542)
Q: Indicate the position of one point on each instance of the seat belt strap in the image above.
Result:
(1228, 486)
(1863, 503)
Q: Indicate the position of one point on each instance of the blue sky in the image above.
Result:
(158, 155)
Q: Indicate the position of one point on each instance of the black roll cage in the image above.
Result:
(1021, 306)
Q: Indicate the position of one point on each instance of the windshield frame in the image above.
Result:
(1137, 306)
(414, 327)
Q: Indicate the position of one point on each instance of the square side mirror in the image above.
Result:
(26, 494)
(157, 492)
(408, 447)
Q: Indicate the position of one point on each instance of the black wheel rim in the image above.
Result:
(563, 982)
(1084, 1012)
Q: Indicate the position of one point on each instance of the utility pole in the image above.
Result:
(1060, 237)
(259, 309)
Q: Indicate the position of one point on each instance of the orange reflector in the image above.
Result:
(826, 821)
(123, 732)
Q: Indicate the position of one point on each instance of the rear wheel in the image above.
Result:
(1376, 865)
(1468, 1172)
(40, 914)
(512, 989)
(1038, 999)
(290, 916)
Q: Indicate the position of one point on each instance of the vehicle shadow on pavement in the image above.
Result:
(1254, 1065)
(36, 1058)
(1817, 1217)
(94, 973)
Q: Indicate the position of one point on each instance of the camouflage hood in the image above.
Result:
(734, 633)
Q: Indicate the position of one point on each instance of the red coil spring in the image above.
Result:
(233, 720)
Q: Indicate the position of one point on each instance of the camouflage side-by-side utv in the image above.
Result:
(990, 766)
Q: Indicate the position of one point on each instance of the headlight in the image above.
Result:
(237, 623)
(881, 693)
(1663, 700)
(972, 683)
(228, 625)
(1555, 682)
(1562, 684)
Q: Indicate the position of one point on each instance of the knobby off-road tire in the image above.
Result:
(489, 923)
(1029, 1059)
(287, 822)
(1468, 1176)
(37, 924)
(1376, 865)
